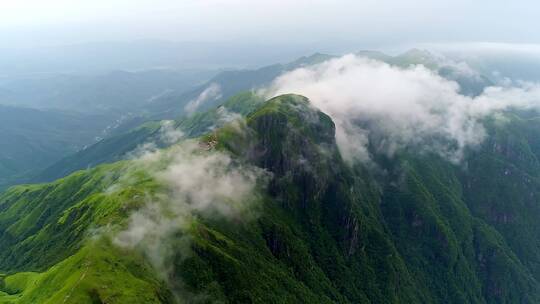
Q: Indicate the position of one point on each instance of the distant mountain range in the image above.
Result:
(33, 139)
(121, 93)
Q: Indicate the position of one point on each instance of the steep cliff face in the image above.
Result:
(417, 229)
(502, 186)
(411, 235)
(317, 237)
(456, 254)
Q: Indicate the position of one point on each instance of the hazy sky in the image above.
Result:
(373, 22)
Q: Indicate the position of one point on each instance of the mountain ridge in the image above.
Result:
(325, 231)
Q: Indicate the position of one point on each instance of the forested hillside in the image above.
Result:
(302, 225)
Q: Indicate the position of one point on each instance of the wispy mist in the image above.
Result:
(212, 92)
(196, 184)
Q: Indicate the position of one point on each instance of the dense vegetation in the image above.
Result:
(418, 229)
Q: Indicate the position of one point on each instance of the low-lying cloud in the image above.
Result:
(212, 92)
(383, 108)
(168, 133)
(195, 183)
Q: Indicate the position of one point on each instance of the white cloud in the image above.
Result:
(389, 108)
(168, 133)
(212, 92)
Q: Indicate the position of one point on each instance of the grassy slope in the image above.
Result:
(51, 225)
(97, 273)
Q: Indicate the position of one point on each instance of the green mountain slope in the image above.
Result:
(119, 146)
(107, 150)
(33, 139)
(229, 84)
(418, 230)
(48, 144)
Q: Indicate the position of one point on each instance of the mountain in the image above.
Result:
(299, 226)
(116, 91)
(142, 54)
(119, 146)
(164, 93)
(34, 139)
(132, 103)
(143, 125)
(36, 134)
(138, 105)
(227, 84)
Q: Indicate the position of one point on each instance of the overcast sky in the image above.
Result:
(371, 22)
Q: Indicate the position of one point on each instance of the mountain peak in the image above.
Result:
(290, 131)
(292, 112)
